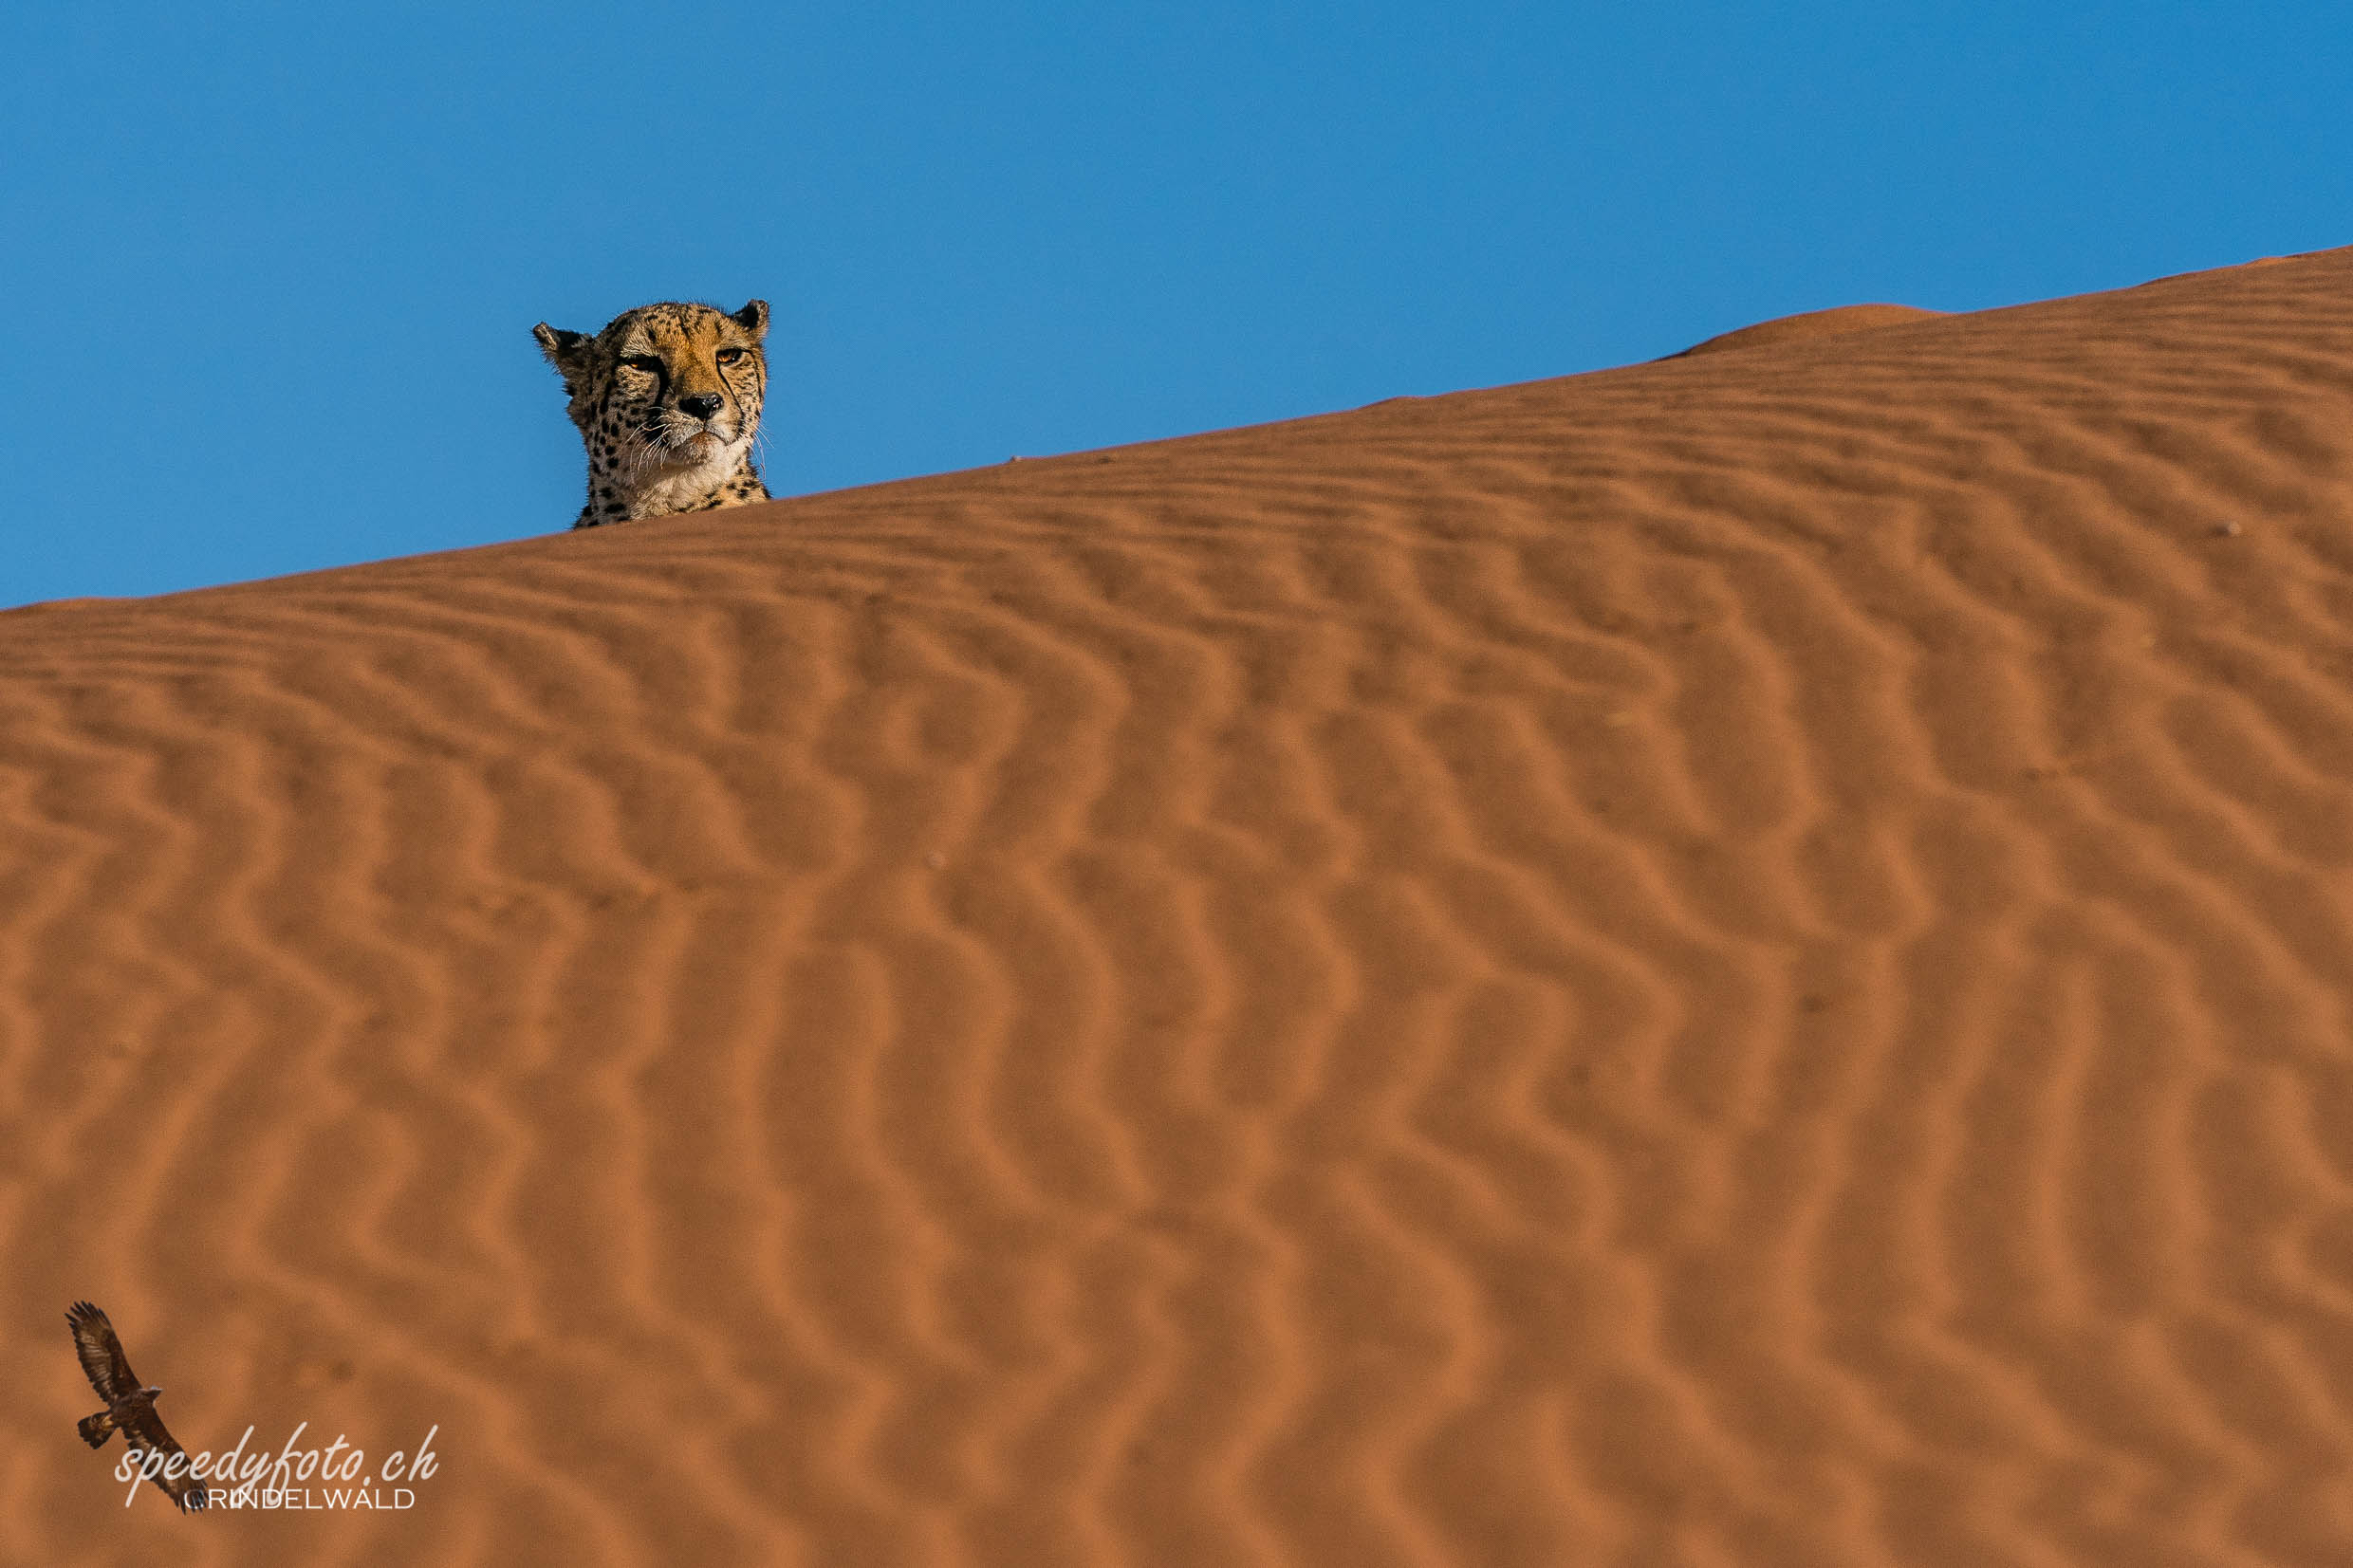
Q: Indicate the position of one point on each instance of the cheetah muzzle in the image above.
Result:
(667, 399)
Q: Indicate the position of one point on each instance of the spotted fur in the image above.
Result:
(667, 399)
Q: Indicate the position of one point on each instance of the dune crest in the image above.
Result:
(1811, 323)
(1741, 961)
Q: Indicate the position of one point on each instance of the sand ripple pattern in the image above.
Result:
(1741, 961)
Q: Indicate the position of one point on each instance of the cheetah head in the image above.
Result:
(667, 399)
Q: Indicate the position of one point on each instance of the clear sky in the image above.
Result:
(272, 268)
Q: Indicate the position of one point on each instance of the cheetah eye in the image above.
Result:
(728, 356)
(645, 363)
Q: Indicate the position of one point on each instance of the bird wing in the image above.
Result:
(102, 1360)
(147, 1430)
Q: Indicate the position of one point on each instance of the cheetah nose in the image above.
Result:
(701, 406)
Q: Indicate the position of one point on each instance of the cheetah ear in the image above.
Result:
(753, 319)
(564, 349)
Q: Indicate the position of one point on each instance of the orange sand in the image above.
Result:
(1739, 961)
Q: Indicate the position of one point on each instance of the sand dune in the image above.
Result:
(1739, 961)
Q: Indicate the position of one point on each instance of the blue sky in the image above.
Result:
(272, 268)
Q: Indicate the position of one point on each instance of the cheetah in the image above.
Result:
(667, 399)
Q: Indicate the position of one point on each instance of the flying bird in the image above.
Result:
(130, 1405)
